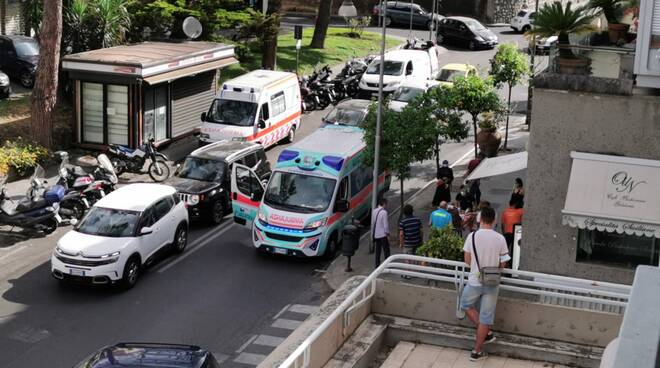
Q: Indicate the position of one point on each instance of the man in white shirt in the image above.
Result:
(477, 300)
(380, 230)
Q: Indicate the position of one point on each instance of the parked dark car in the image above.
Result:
(204, 179)
(5, 86)
(398, 12)
(348, 112)
(465, 32)
(150, 355)
(19, 56)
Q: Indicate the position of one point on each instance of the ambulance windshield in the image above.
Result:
(232, 112)
(299, 193)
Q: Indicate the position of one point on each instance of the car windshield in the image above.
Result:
(27, 48)
(344, 116)
(390, 67)
(232, 112)
(299, 192)
(109, 222)
(475, 26)
(450, 75)
(196, 168)
(406, 94)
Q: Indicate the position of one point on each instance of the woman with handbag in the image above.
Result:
(486, 253)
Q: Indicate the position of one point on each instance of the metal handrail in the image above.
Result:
(614, 295)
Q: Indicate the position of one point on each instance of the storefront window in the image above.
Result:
(92, 112)
(155, 113)
(616, 249)
(117, 114)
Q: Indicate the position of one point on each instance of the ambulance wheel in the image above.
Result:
(291, 136)
(331, 248)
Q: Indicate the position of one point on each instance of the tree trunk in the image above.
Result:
(401, 199)
(271, 30)
(268, 58)
(322, 23)
(474, 125)
(437, 157)
(44, 94)
(508, 112)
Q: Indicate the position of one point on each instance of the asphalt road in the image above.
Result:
(219, 294)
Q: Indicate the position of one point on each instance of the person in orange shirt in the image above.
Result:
(510, 217)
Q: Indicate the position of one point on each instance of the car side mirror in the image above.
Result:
(146, 230)
(203, 116)
(261, 124)
(342, 205)
(256, 196)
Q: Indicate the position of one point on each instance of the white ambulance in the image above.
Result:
(262, 106)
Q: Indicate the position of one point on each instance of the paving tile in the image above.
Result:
(448, 357)
(463, 361)
(302, 308)
(287, 324)
(249, 358)
(398, 355)
(493, 361)
(423, 356)
(517, 363)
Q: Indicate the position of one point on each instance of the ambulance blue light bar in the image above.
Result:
(287, 155)
(334, 162)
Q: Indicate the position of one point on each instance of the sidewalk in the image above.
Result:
(496, 190)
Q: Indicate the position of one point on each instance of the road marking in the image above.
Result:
(281, 312)
(197, 247)
(12, 252)
(303, 309)
(287, 324)
(271, 341)
(220, 357)
(246, 344)
(250, 358)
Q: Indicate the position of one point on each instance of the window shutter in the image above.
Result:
(655, 19)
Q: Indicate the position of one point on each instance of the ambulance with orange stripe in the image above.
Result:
(317, 186)
(262, 106)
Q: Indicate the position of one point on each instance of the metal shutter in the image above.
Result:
(190, 97)
(655, 20)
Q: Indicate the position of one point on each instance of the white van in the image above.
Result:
(262, 106)
(400, 65)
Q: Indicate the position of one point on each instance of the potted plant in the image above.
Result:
(558, 20)
(443, 243)
(488, 138)
(613, 12)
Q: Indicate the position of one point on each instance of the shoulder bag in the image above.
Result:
(488, 276)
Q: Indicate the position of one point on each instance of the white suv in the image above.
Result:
(523, 21)
(120, 233)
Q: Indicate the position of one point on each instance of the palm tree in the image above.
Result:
(114, 21)
(556, 20)
(76, 26)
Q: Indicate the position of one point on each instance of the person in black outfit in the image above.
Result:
(446, 172)
(518, 194)
(475, 191)
(465, 198)
(442, 192)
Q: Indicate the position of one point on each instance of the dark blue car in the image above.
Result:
(19, 56)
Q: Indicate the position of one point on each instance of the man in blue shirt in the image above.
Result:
(440, 217)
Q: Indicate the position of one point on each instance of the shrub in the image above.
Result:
(21, 155)
(357, 25)
(443, 243)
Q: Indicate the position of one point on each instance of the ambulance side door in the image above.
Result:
(247, 190)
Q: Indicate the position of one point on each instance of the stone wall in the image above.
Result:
(565, 121)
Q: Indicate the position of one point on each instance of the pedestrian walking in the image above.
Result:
(381, 230)
(442, 192)
(510, 217)
(410, 231)
(446, 172)
(518, 193)
(440, 217)
(486, 253)
(465, 198)
(475, 162)
(482, 205)
(475, 190)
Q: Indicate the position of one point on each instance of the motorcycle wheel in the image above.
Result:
(310, 104)
(119, 166)
(159, 171)
(324, 101)
(49, 226)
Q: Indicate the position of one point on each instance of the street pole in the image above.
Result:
(379, 123)
(530, 87)
(411, 16)
(264, 6)
(432, 21)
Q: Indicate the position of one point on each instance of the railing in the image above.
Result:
(585, 294)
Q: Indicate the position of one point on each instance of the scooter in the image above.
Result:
(91, 184)
(126, 159)
(40, 214)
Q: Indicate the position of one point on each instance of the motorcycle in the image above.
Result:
(309, 100)
(126, 159)
(91, 186)
(40, 213)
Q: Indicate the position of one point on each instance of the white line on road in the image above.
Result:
(197, 247)
(287, 324)
(250, 358)
(246, 344)
(281, 312)
(303, 309)
(13, 251)
(271, 341)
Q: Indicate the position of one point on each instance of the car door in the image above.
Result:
(148, 240)
(4, 43)
(246, 194)
(463, 34)
(263, 166)
(164, 226)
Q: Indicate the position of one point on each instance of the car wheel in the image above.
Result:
(330, 249)
(217, 212)
(526, 28)
(180, 239)
(388, 21)
(49, 226)
(472, 46)
(291, 136)
(131, 273)
(26, 79)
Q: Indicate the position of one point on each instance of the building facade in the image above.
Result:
(592, 201)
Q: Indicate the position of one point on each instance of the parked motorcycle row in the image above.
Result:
(318, 90)
(77, 187)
